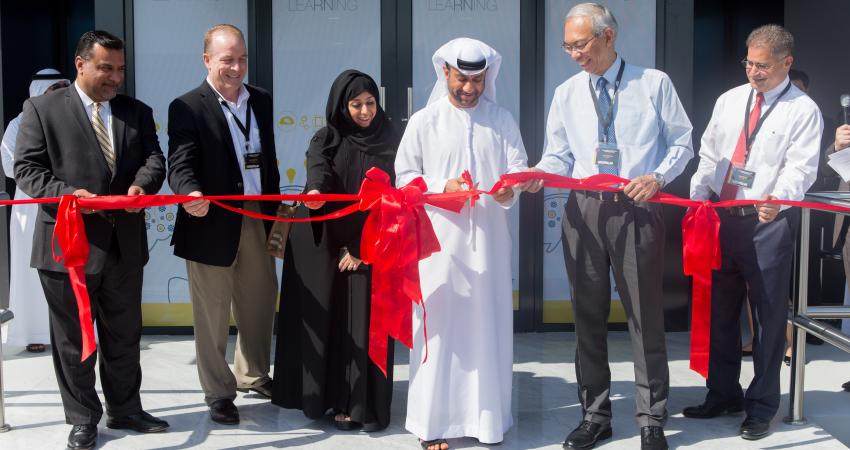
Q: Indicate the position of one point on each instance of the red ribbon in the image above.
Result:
(398, 234)
(700, 244)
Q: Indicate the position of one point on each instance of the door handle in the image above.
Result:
(409, 104)
(382, 91)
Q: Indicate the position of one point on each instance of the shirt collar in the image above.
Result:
(243, 95)
(87, 101)
(610, 75)
(771, 95)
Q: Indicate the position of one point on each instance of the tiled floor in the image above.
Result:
(544, 404)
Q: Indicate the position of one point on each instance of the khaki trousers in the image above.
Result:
(248, 288)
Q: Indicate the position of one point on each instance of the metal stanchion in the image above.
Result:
(798, 357)
(5, 316)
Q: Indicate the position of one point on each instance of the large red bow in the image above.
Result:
(396, 236)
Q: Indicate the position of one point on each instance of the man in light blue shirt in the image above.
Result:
(625, 120)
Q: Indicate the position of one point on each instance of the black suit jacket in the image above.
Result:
(201, 158)
(57, 153)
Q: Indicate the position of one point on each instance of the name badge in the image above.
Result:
(607, 155)
(742, 177)
(253, 160)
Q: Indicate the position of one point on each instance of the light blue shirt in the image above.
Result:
(652, 129)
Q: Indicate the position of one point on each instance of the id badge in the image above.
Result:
(607, 155)
(253, 160)
(742, 177)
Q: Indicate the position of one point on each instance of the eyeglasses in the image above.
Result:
(758, 66)
(578, 47)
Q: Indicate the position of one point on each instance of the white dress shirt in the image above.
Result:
(784, 154)
(251, 179)
(652, 130)
(105, 114)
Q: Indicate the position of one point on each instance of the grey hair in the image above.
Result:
(777, 38)
(600, 16)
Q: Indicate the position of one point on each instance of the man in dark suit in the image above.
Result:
(221, 142)
(86, 140)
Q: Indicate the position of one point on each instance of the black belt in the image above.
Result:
(741, 211)
(606, 196)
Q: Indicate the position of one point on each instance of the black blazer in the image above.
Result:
(201, 158)
(57, 153)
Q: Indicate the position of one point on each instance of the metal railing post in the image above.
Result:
(798, 357)
(5, 316)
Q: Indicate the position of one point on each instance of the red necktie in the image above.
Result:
(730, 191)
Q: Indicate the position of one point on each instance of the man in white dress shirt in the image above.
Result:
(646, 138)
(464, 388)
(762, 143)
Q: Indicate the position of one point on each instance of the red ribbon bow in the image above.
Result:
(396, 236)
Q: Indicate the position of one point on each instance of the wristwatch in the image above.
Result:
(658, 179)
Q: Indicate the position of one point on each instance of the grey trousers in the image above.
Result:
(248, 287)
(627, 238)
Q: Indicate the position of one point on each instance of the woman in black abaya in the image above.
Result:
(321, 359)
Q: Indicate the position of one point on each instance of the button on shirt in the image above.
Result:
(251, 181)
(105, 114)
(784, 154)
(652, 129)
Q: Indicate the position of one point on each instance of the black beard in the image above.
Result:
(460, 99)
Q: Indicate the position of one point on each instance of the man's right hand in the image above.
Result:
(316, 204)
(532, 185)
(82, 193)
(197, 208)
(842, 137)
(455, 185)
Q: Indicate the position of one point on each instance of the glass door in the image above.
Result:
(495, 22)
(312, 43)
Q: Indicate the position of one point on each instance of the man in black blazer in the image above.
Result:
(86, 140)
(220, 141)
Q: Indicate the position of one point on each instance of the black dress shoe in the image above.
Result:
(141, 422)
(223, 411)
(710, 410)
(754, 429)
(652, 438)
(264, 390)
(586, 435)
(82, 437)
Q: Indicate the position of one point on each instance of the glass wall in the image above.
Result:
(169, 44)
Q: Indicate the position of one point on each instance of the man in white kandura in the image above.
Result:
(464, 388)
(26, 298)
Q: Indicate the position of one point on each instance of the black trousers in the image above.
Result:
(757, 261)
(116, 298)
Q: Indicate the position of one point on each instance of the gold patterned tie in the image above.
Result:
(102, 137)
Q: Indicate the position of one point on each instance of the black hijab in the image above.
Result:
(379, 138)
(350, 149)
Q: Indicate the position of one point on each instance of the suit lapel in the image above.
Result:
(75, 104)
(119, 130)
(220, 127)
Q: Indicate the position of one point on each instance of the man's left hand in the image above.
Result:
(642, 188)
(767, 211)
(135, 190)
(503, 194)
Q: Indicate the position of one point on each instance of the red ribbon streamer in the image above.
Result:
(700, 244)
(398, 234)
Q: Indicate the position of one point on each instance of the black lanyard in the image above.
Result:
(245, 129)
(749, 139)
(607, 121)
